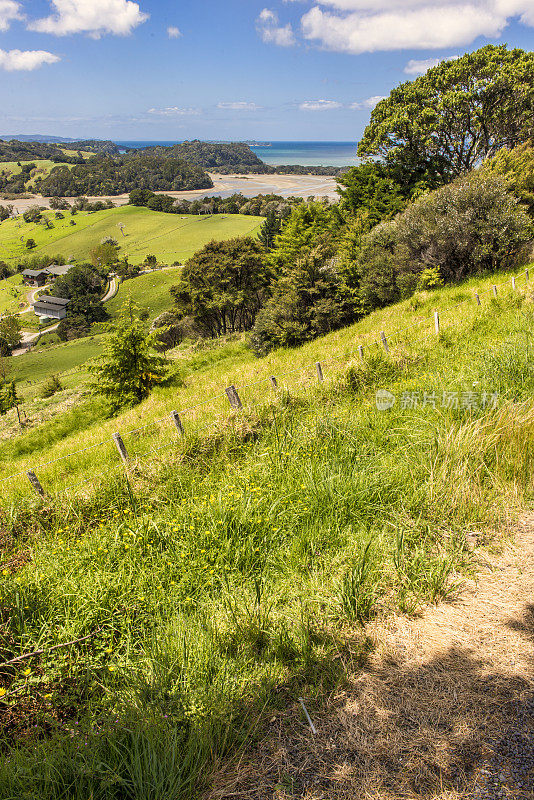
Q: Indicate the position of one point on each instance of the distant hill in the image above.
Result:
(36, 137)
(231, 157)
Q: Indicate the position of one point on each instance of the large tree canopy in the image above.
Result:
(223, 286)
(447, 121)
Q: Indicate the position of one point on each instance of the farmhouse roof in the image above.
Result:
(57, 269)
(33, 273)
(48, 299)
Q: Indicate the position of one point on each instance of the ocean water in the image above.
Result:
(309, 154)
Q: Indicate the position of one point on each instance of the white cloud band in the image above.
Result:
(25, 60)
(94, 17)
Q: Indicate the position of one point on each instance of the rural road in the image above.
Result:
(112, 290)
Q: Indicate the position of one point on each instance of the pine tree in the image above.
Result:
(128, 370)
(269, 230)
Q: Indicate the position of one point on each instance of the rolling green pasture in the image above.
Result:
(37, 365)
(150, 291)
(169, 237)
(12, 294)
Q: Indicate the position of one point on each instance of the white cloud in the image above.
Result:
(94, 17)
(173, 32)
(26, 60)
(359, 26)
(271, 32)
(9, 11)
(174, 111)
(239, 106)
(414, 67)
(369, 104)
(319, 105)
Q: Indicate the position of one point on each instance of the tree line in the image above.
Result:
(427, 212)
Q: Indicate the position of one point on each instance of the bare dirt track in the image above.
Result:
(442, 710)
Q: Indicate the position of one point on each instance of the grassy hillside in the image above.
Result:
(168, 236)
(232, 572)
(12, 294)
(407, 324)
(150, 291)
(43, 166)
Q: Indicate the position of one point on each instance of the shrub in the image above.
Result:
(471, 226)
(308, 301)
(516, 167)
(52, 385)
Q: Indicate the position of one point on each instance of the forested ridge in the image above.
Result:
(106, 175)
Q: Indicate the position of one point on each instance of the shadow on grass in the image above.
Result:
(451, 727)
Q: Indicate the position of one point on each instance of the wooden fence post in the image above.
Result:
(513, 282)
(121, 447)
(436, 322)
(319, 371)
(35, 482)
(233, 397)
(178, 422)
(527, 275)
(477, 298)
(384, 341)
(274, 383)
(360, 352)
(494, 291)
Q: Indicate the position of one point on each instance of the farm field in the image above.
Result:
(149, 291)
(169, 237)
(37, 365)
(234, 569)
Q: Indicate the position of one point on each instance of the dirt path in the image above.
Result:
(444, 707)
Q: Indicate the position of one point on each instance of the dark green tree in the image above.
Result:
(308, 224)
(447, 121)
(309, 300)
(223, 286)
(269, 230)
(372, 188)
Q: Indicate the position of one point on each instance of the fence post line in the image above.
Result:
(178, 422)
(494, 291)
(35, 482)
(477, 298)
(384, 341)
(233, 397)
(436, 322)
(527, 275)
(319, 371)
(360, 352)
(274, 383)
(121, 447)
(513, 282)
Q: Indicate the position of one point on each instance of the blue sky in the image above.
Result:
(228, 69)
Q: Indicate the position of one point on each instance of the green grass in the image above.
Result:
(169, 237)
(234, 570)
(12, 295)
(44, 167)
(39, 364)
(150, 291)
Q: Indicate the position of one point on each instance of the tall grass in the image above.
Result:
(238, 570)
